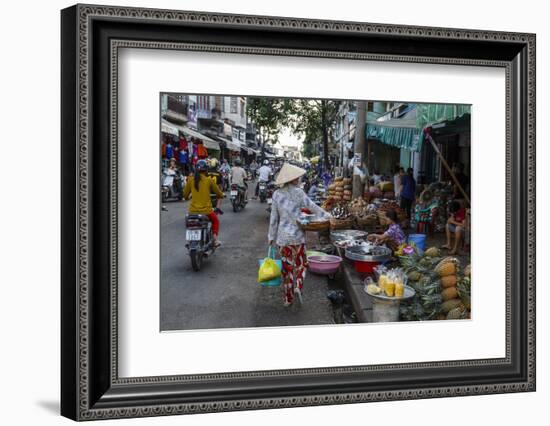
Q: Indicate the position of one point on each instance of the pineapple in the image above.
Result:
(449, 293)
(373, 289)
(451, 304)
(448, 266)
(414, 276)
(448, 281)
(464, 292)
(456, 313)
(432, 252)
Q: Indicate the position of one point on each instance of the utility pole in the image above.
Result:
(359, 147)
(344, 140)
(324, 126)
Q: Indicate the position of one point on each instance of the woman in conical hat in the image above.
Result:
(287, 203)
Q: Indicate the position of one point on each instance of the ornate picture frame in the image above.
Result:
(91, 386)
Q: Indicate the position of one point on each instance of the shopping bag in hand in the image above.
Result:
(269, 268)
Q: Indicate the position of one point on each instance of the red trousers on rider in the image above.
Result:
(215, 222)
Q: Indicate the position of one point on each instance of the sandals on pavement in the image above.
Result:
(298, 293)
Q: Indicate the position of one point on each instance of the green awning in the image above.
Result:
(427, 114)
(399, 137)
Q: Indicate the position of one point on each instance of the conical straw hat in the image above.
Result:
(288, 173)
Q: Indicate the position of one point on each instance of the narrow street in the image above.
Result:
(224, 293)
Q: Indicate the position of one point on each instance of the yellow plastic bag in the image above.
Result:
(268, 270)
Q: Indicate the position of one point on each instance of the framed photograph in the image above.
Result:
(264, 212)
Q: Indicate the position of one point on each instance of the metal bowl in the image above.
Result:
(368, 254)
(348, 234)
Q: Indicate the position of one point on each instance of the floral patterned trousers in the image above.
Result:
(294, 269)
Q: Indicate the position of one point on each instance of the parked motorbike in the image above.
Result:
(237, 197)
(172, 185)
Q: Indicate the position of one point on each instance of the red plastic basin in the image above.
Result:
(365, 267)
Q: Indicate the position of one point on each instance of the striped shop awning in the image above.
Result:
(208, 142)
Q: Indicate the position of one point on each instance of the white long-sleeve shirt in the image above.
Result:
(285, 211)
(264, 172)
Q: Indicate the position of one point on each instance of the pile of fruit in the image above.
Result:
(390, 283)
(340, 189)
(364, 213)
(442, 290)
(357, 206)
(340, 211)
(381, 190)
(329, 203)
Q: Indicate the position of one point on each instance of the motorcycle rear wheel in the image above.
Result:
(196, 260)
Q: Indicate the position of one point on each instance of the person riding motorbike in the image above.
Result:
(265, 174)
(225, 170)
(238, 177)
(217, 178)
(253, 168)
(225, 167)
(200, 186)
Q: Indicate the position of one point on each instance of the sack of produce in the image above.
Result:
(385, 186)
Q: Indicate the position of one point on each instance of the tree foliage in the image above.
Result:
(270, 116)
(314, 120)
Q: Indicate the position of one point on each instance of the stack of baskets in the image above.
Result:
(340, 189)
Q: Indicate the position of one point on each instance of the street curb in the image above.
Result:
(361, 302)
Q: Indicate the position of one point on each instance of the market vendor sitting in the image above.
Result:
(394, 235)
(455, 226)
(425, 212)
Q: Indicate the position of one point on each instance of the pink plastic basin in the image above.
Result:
(324, 265)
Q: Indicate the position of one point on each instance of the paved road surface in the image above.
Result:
(224, 293)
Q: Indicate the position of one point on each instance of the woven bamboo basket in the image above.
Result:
(341, 223)
(315, 226)
(367, 221)
(378, 229)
